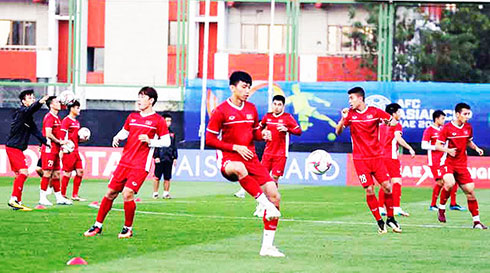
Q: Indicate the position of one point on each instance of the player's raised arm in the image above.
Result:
(342, 123)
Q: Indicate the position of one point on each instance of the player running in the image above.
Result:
(144, 130)
(21, 128)
(364, 122)
(391, 138)
(50, 154)
(458, 134)
(72, 161)
(236, 120)
(435, 160)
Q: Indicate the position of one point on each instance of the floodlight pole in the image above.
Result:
(202, 127)
(271, 56)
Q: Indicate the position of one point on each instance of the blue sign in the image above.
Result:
(317, 106)
(196, 165)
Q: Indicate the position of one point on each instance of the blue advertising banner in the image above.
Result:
(196, 165)
(317, 106)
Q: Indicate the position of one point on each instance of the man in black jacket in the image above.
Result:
(165, 159)
(21, 128)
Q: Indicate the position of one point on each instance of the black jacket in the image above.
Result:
(23, 126)
(167, 153)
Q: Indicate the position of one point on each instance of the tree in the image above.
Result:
(454, 50)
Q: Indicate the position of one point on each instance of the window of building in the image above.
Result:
(338, 40)
(256, 38)
(95, 59)
(17, 33)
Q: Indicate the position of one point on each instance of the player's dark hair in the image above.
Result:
(166, 115)
(279, 98)
(460, 106)
(392, 108)
(238, 76)
(49, 101)
(437, 114)
(73, 104)
(24, 93)
(150, 92)
(358, 91)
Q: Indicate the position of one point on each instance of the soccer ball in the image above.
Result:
(84, 133)
(68, 147)
(319, 162)
(66, 97)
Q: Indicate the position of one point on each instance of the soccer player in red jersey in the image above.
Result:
(236, 120)
(364, 124)
(21, 128)
(50, 154)
(391, 138)
(435, 160)
(144, 130)
(72, 161)
(458, 134)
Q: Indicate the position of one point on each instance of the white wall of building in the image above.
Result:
(28, 11)
(136, 40)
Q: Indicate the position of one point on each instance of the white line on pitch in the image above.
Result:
(288, 220)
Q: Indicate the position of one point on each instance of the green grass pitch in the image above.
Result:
(205, 229)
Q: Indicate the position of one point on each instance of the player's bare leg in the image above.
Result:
(390, 218)
(259, 209)
(397, 192)
(469, 190)
(104, 208)
(166, 189)
(15, 201)
(270, 226)
(129, 210)
(449, 182)
(156, 185)
(77, 181)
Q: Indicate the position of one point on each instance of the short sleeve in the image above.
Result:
(65, 124)
(471, 133)
(256, 119)
(292, 124)
(426, 135)
(348, 118)
(49, 122)
(263, 122)
(162, 128)
(126, 123)
(398, 127)
(383, 115)
(215, 122)
(443, 135)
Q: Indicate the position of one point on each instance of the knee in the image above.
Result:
(24, 172)
(370, 190)
(56, 175)
(80, 173)
(275, 198)
(128, 194)
(111, 194)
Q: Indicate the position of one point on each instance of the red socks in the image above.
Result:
(473, 207)
(453, 194)
(270, 225)
(64, 184)
(389, 204)
(397, 194)
(435, 194)
(381, 198)
(250, 185)
(373, 206)
(44, 183)
(105, 207)
(77, 181)
(444, 196)
(129, 209)
(18, 186)
(55, 182)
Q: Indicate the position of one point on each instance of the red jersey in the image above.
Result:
(52, 121)
(456, 137)
(69, 128)
(388, 140)
(434, 157)
(137, 154)
(364, 130)
(279, 145)
(237, 125)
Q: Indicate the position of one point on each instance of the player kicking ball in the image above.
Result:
(458, 134)
(364, 124)
(144, 131)
(238, 123)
